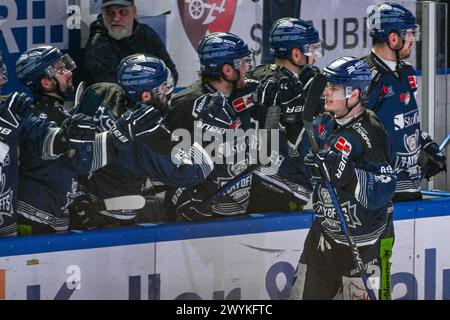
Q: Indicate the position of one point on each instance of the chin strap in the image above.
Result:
(233, 82)
(296, 64)
(397, 54)
(349, 108)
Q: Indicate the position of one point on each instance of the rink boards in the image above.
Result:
(244, 258)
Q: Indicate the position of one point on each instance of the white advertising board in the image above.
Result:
(105, 273)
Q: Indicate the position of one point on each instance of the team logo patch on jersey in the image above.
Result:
(387, 91)
(320, 128)
(405, 98)
(242, 103)
(412, 82)
(343, 145)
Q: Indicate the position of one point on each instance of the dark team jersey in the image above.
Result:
(183, 114)
(392, 97)
(47, 187)
(39, 134)
(106, 102)
(292, 173)
(363, 141)
(125, 174)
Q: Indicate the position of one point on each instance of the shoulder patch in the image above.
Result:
(343, 145)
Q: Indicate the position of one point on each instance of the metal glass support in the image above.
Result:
(428, 68)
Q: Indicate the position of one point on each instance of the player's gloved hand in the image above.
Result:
(340, 169)
(13, 112)
(22, 105)
(292, 92)
(135, 123)
(266, 92)
(215, 110)
(431, 161)
(79, 212)
(195, 207)
(307, 73)
(75, 131)
(290, 97)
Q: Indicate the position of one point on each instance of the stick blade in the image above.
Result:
(315, 92)
(125, 203)
(80, 89)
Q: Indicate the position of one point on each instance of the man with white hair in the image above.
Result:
(3, 71)
(115, 35)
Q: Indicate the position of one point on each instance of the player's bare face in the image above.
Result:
(64, 78)
(245, 65)
(407, 48)
(119, 20)
(335, 100)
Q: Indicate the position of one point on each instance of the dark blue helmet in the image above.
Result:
(388, 17)
(219, 48)
(292, 33)
(349, 72)
(144, 72)
(40, 61)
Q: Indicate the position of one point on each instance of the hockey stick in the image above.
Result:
(444, 143)
(80, 89)
(435, 193)
(311, 106)
(135, 202)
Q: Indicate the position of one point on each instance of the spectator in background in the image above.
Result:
(3, 72)
(115, 35)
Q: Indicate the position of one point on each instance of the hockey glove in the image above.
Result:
(74, 131)
(307, 73)
(135, 123)
(215, 110)
(431, 160)
(292, 92)
(79, 212)
(266, 92)
(340, 169)
(13, 112)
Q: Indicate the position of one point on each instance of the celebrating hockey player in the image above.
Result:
(224, 60)
(356, 152)
(392, 97)
(44, 141)
(144, 81)
(295, 44)
(45, 186)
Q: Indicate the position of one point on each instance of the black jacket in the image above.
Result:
(103, 53)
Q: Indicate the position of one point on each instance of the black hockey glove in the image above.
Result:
(133, 124)
(340, 169)
(76, 130)
(215, 110)
(292, 92)
(79, 212)
(266, 92)
(13, 112)
(307, 73)
(431, 161)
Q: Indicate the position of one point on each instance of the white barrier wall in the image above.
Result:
(252, 258)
